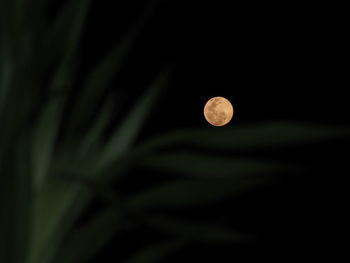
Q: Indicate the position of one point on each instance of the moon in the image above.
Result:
(218, 111)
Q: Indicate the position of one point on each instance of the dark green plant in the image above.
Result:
(50, 172)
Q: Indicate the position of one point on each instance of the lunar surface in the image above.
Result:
(218, 111)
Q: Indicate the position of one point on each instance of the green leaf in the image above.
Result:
(60, 34)
(107, 160)
(185, 232)
(156, 252)
(44, 138)
(21, 10)
(6, 115)
(129, 128)
(248, 137)
(93, 136)
(89, 239)
(64, 73)
(196, 231)
(100, 76)
(6, 69)
(7, 22)
(208, 165)
(15, 201)
(57, 205)
(103, 73)
(191, 192)
(22, 201)
(7, 209)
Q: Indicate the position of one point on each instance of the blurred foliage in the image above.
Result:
(50, 173)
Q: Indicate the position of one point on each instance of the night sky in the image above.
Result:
(283, 62)
(273, 62)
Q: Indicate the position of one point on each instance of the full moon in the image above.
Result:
(218, 111)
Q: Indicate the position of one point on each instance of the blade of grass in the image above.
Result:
(15, 201)
(120, 141)
(92, 138)
(56, 206)
(126, 133)
(44, 138)
(6, 63)
(89, 239)
(103, 73)
(196, 231)
(248, 137)
(193, 164)
(6, 72)
(23, 200)
(28, 20)
(62, 196)
(7, 188)
(55, 42)
(64, 73)
(63, 204)
(156, 252)
(192, 192)
(7, 22)
(6, 209)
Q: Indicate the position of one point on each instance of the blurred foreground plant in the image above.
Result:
(50, 173)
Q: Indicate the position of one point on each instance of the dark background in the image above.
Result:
(274, 62)
(283, 67)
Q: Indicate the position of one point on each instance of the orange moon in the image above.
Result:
(218, 111)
